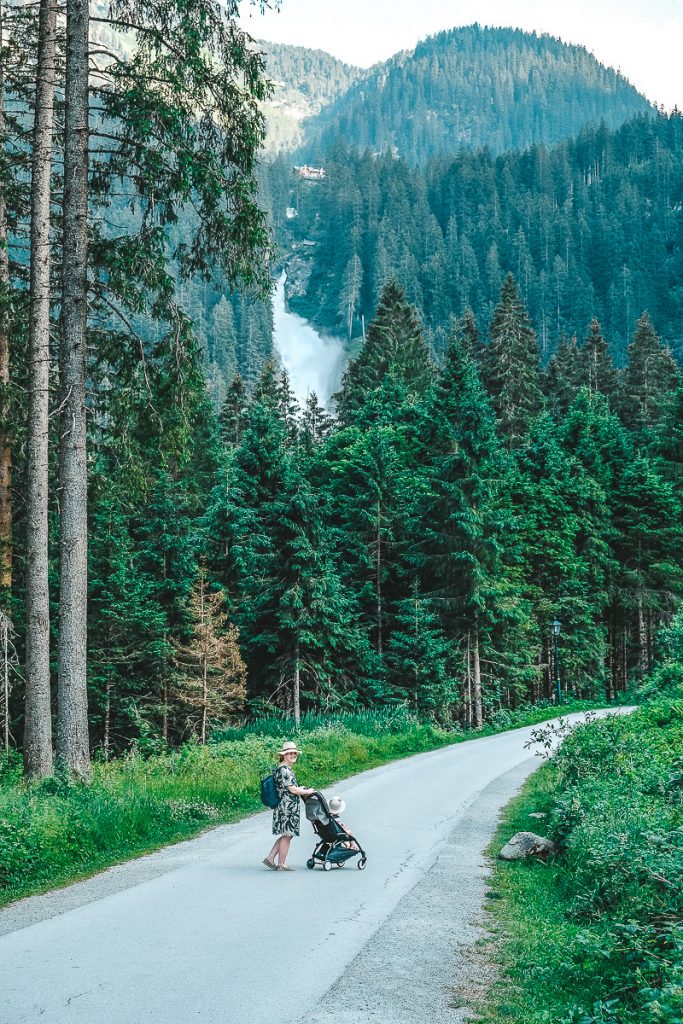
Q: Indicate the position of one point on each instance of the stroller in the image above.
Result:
(331, 849)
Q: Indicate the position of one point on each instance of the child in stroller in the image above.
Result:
(336, 844)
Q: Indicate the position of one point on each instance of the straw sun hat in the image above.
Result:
(288, 748)
(336, 805)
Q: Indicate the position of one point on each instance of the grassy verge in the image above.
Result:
(56, 831)
(595, 936)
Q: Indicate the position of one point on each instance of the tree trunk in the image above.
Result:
(5, 449)
(378, 579)
(612, 661)
(296, 696)
(205, 695)
(164, 705)
(38, 723)
(106, 741)
(468, 712)
(4, 629)
(72, 719)
(476, 690)
(643, 664)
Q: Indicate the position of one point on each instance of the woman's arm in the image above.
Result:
(300, 791)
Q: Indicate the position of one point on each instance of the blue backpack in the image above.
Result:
(269, 794)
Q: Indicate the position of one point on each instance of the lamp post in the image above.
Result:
(556, 626)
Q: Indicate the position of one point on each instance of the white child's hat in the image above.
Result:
(336, 805)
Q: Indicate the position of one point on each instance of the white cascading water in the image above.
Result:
(314, 362)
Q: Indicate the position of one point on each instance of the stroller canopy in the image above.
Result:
(317, 809)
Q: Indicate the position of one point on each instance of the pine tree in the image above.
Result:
(38, 718)
(597, 371)
(317, 644)
(352, 283)
(564, 553)
(650, 377)
(394, 342)
(223, 345)
(460, 527)
(511, 368)
(73, 749)
(419, 658)
(316, 424)
(561, 377)
(466, 328)
(596, 438)
(212, 675)
(667, 447)
(649, 543)
(373, 481)
(128, 627)
(231, 419)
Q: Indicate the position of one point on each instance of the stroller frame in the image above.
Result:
(331, 849)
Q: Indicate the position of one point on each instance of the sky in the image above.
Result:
(641, 38)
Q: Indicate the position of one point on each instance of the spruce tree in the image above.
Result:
(302, 614)
(648, 521)
(565, 558)
(127, 624)
(231, 418)
(419, 658)
(458, 550)
(597, 372)
(649, 378)
(511, 369)
(395, 342)
(561, 377)
(667, 446)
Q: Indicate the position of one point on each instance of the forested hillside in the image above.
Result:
(305, 81)
(473, 87)
(592, 227)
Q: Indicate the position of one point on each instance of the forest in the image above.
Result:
(592, 227)
(181, 545)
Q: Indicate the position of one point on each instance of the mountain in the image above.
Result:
(305, 82)
(472, 87)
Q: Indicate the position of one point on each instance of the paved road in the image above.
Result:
(202, 932)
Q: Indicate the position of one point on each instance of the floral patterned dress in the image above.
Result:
(287, 814)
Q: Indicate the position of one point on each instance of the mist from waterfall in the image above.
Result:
(313, 361)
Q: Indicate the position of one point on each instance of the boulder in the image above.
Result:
(538, 814)
(526, 844)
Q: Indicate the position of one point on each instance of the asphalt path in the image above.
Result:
(203, 932)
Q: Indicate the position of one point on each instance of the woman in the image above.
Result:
(287, 814)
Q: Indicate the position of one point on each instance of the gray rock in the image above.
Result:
(526, 844)
(538, 814)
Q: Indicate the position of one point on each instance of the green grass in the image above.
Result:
(594, 936)
(54, 832)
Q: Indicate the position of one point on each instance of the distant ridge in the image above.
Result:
(472, 87)
(305, 82)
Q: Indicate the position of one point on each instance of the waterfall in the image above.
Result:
(313, 361)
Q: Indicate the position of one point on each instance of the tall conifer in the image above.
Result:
(649, 378)
(395, 342)
(511, 369)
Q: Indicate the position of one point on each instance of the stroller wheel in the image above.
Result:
(327, 865)
(310, 863)
(362, 862)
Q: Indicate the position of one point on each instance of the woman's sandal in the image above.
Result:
(283, 867)
(269, 864)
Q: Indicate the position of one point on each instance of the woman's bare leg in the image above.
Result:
(284, 850)
(273, 853)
